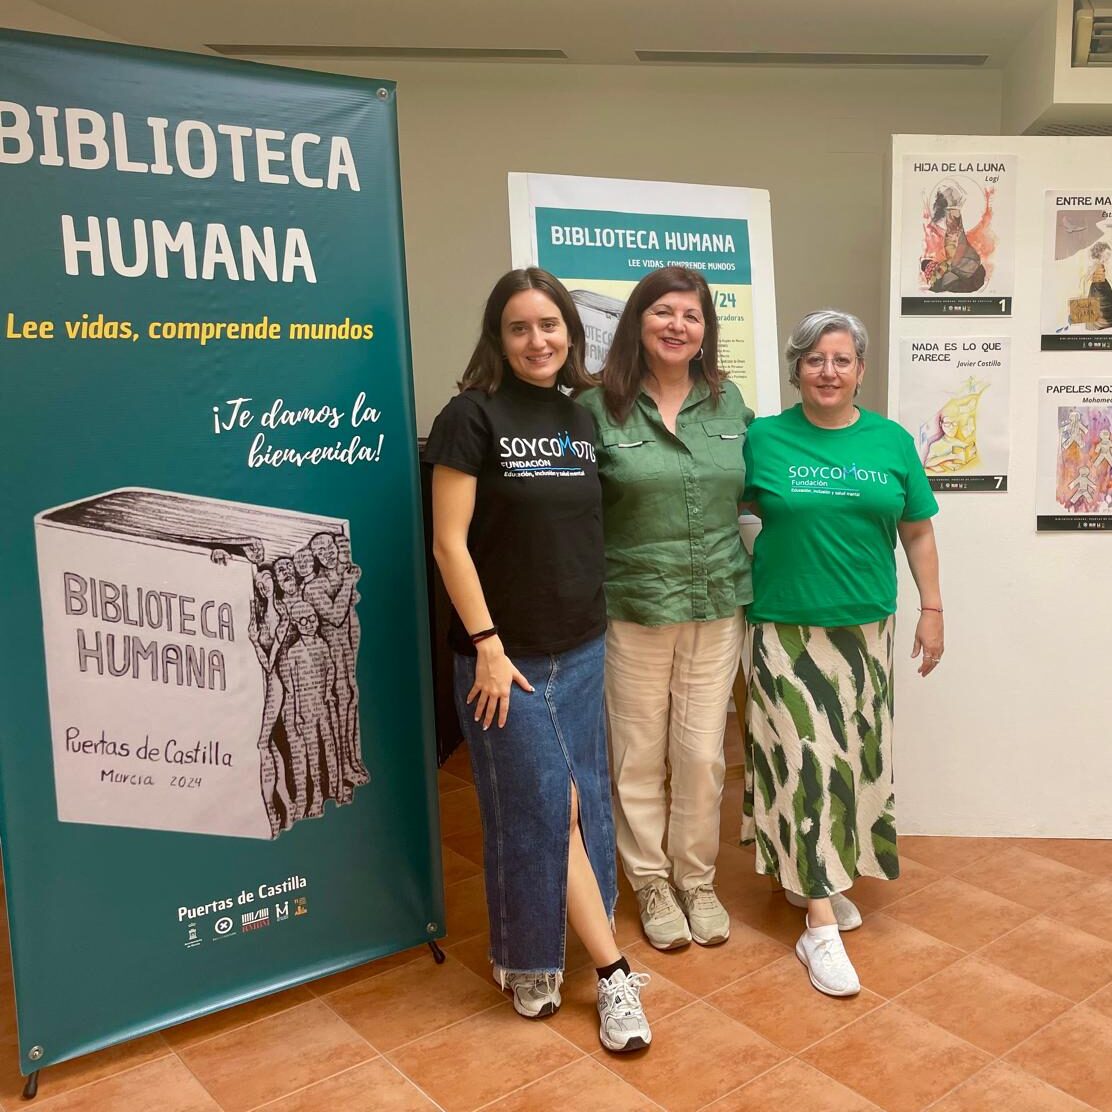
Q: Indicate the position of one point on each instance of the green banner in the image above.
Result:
(216, 751)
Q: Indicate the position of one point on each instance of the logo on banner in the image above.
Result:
(300, 906)
(255, 920)
(281, 911)
(223, 925)
(192, 937)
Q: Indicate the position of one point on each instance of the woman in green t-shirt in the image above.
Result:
(834, 486)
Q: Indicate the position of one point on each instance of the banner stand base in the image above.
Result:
(437, 953)
(31, 1088)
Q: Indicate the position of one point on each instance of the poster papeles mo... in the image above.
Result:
(216, 753)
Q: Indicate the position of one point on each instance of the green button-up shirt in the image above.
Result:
(670, 508)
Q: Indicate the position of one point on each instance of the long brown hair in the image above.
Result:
(486, 366)
(625, 365)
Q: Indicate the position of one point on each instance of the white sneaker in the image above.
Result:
(845, 910)
(828, 964)
(622, 1022)
(536, 995)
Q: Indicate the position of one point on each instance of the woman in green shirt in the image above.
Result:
(835, 486)
(671, 428)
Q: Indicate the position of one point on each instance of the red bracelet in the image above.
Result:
(936, 609)
(483, 634)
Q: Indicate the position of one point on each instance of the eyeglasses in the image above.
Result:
(815, 364)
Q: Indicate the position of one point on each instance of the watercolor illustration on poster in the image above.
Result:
(600, 236)
(1077, 271)
(957, 243)
(211, 515)
(1074, 484)
(954, 400)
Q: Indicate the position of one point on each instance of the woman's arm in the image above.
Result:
(453, 505)
(917, 538)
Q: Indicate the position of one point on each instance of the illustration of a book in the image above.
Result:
(599, 315)
(200, 659)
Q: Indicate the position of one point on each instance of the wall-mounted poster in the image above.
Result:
(1074, 488)
(601, 236)
(953, 398)
(958, 236)
(1077, 272)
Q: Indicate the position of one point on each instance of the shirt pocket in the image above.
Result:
(632, 453)
(725, 438)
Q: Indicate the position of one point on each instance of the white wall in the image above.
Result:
(1010, 735)
(24, 15)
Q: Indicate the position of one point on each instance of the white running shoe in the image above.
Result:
(828, 965)
(845, 910)
(708, 919)
(536, 995)
(661, 916)
(622, 1022)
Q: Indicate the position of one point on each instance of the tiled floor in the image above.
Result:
(988, 985)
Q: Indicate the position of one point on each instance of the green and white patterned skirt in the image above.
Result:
(818, 755)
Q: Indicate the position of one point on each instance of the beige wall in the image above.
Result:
(816, 139)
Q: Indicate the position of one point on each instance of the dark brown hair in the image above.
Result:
(487, 363)
(625, 363)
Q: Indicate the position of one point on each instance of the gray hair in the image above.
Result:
(807, 333)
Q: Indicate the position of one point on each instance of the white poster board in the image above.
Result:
(987, 745)
(600, 236)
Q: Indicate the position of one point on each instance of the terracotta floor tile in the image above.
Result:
(411, 1002)
(729, 818)
(466, 908)
(446, 782)
(372, 1087)
(697, 1055)
(457, 867)
(704, 969)
(185, 1034)
(736, 870)
(483, 1058)
(766, 911)
(890, 956)
(468, 844)
(459, 813)
(793, 1085)
(1003, 1086)
(1058, 957)
(577, 1019)
(896, 1059)
(165, 1085)
(474, 953)
(357, 973)
(947, 855)
(984, 1004)
(583, 1084)
(1088, 909)
(274, 1056)
(958, 913)
(1092, 855)
(872, 895)
(1101, 1000)
(1025, 877)
(1072, 1054)
(77, 1071)
(779, 1003)
(459, 764)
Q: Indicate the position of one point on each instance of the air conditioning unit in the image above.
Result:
(1092, 33)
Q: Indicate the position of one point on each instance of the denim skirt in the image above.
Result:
(553, 737)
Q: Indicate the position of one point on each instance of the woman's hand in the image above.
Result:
(929, 641)
(495, 675)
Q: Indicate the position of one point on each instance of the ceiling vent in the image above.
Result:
(768, 58)
(1092, 33)
(404, 53)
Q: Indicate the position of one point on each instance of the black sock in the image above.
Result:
(608, 970)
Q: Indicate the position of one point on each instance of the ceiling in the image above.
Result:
(587, 31)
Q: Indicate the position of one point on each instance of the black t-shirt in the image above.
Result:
(536, 533)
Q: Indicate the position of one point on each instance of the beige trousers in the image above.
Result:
(667, 690)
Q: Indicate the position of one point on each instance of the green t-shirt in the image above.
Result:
(830, 501)
(669, 508)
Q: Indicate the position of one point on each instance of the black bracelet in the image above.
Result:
(483, 634)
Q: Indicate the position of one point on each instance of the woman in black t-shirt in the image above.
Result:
(517, 534)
